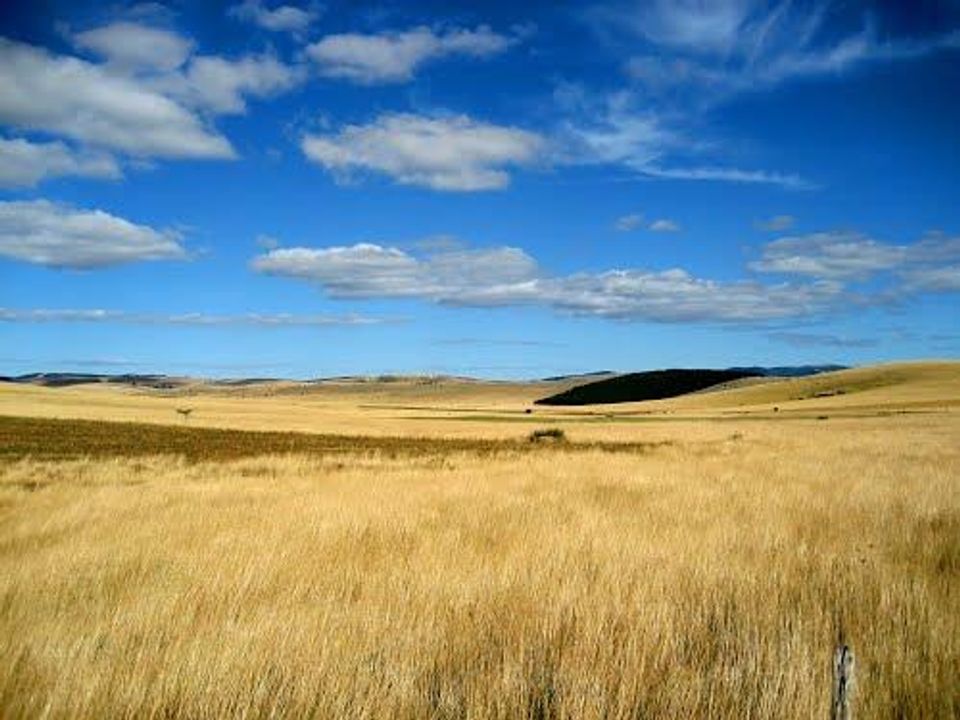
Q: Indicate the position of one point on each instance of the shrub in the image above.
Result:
(554, 434)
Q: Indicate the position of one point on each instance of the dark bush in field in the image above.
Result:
(643, 386)
(553, 434)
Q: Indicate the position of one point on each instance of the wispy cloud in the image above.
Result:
(624, 129)
(393, 57)
(806, 340)
(60, 236)
(777, 223)
(492, 342)
(265, 320)
(688, 57)
(635, 221)
(727, 174)
(629, 223)
(442, 153)
(734, 46)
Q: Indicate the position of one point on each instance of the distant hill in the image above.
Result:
(789, 370)
(67, 379)
(577, 376)
(635, 387)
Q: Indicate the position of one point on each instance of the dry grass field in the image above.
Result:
(416, 557)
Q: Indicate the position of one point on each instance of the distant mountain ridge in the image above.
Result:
(789, 370)
(169, 382)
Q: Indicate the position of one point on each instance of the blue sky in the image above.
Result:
(252, 188)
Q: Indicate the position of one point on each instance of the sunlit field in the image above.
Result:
(691, 558)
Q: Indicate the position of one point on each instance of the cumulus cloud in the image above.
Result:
(59, 236)
(164, 62)
(840, 254)
(134, 46)
(931, 264)
(507, 276)
(777, 223)
(368, 270)
(933, 279)
(220, 85)
(392, 57)
(42, 315)
(24, 163)
(148, 96)
(76, 99)
(442, 153)
(284, 18)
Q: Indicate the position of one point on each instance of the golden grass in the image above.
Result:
(470, 410)
(47, 439)
(708, 578)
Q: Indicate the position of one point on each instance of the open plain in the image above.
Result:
(401, 549)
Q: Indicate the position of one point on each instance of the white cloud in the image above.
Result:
(692, 56)
(933, 279)
(220, 85)
(731, 46)
(76, 99)
(931, 264)
(615, 130)
(163, 61)
(713, 27)
(727, 174)
(442, 153)
(840, 254)
(508, 276)
(664, 226)
(777, 223)
(41, 315)
(369, 270)
(135, 46)
(284, 18)
(58, 236)
(392, 57)
(24, 163)
(628, 223)
(676, 296)
(634, 221)
(150, 97)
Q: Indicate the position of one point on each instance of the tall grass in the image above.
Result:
(704, 579)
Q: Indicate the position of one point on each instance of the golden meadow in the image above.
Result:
(393, 550)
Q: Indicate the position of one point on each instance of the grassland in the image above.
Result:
(699, 563)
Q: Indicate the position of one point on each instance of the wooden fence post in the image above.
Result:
(841, 705)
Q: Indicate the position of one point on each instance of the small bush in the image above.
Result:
(553, 434)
